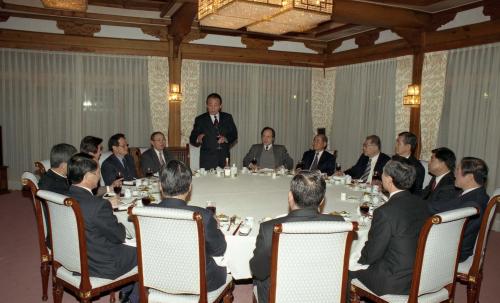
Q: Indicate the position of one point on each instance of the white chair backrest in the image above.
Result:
(441, 250)
(143, 149)
(194, 157)
(65, 244)
(496, 192)
(428, 177)
(30, 176)
(103, 157)
(303, 276)
(170, 250)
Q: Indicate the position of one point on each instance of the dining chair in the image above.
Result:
(69, 252)
(41, 167)
(171, 257)
(435, 264)
(297, 275)
(180, 153)
(29, 180)
(470, 271)
(135, 152)
(427, 176)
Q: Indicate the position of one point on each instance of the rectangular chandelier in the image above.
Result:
(235, 14)
(72, 5)
(295, 16)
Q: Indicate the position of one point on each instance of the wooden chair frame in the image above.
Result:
(181, 153)
(278, 229)
(357, 293)
(474, 278)
(45, 254)
(85, 292)
(226, 295)
(39, 168)
(135, 152)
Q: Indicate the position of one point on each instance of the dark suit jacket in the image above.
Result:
(392, 245)
(54, 182)
(210, 156)
(359, 168)
(215, 243)
(281, 156)
(149, 159)
(444, 190)
(112, 165)
(108, 257)
(419, 178)
(260, 264)
(477, 198)
(326, 163)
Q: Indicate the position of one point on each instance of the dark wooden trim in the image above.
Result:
(418, 66)
(143, 295)
(58, 42)
(39, 168)
(347, 252)
(201, 252)
(278, 228)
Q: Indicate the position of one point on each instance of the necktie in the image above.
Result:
(160, 156)
(368, 168)
(433, 185)
(216, 122)
(267, 147)
(314, 165)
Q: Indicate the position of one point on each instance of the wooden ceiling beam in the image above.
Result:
(53, 14)
(181, 26)
(166, 8)
(364, 13)
(406, 2)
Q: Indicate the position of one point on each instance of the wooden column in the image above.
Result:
(174, 108)
(418, 65)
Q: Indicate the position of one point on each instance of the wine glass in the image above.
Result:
(216, 124)
(149, 172)
(254, 164)
(338, 167)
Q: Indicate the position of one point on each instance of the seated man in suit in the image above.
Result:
(305, 198)
(108, 257)
(267, 154)
(93, 146)
(442, 185)
(55, 179)
(120, 164)
(318, 157)
(393, 237)
(371, 162)
(406, 144)
(175, 180)
(156, 156)
(470, 176)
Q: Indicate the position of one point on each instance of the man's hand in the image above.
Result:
(221, 139)
(117, 183)
(199, 139)
(115, 201)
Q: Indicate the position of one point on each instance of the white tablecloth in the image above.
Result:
(261, 196)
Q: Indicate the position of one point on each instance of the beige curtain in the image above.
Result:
(323, 92)
(48, 98)
(190, 103)
(364, 105)
(470, 121)
(158, 93)
(433, 80)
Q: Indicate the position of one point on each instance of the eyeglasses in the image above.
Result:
(123, 146)
(367, 145)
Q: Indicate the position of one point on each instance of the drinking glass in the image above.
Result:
(338, 167)
(212, 206)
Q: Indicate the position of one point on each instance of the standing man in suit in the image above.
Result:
(215, 132)
(318, 158)
(55, 179)
(371, 162)
(93, 146)
(155, 157)
(406, 144)
(108, 257)
(470, 176)
(175, 178)
(305, 198)
(393, 237)
(120, 162)
(267, 154)
(442, 185)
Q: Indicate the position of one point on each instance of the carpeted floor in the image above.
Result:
(19, 265)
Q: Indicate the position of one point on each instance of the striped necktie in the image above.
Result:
(368, 168)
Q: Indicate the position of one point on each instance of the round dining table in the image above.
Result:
(255, 197)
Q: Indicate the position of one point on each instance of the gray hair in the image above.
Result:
(401, 171)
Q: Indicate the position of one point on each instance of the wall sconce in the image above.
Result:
(412, 98)
(175, 93)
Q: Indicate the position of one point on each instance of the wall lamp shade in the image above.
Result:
(412, 98)
(175, 94)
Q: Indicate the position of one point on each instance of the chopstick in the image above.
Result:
(237, 228)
